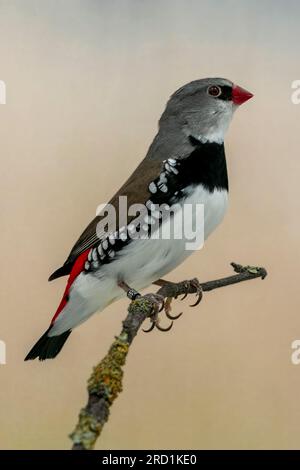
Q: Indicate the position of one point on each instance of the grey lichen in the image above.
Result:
(87, 430)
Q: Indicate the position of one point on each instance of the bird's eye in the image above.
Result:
(214, 91)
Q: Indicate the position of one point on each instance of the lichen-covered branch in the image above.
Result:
(105, 383)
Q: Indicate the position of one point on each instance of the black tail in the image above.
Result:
(63, 271)
(47, 347)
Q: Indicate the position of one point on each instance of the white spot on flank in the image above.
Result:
(174, 170)
(152, 188)
(123, 236)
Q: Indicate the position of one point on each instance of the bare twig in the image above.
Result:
(105, 383)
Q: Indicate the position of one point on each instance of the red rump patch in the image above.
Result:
(76, 270)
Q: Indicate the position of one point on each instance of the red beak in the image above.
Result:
(240, 95)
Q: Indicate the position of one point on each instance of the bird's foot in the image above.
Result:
(159, 304)
(165, 305)
(194, 283)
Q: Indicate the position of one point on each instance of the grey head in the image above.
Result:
(203, 108)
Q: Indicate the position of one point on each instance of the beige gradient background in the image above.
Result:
(86, 83)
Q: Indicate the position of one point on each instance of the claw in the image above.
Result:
(198, 299)
(160, 328)
(150, 328)
(158, 304)
(168, 309)
(186, 291)
(199, 291)
(173, 317)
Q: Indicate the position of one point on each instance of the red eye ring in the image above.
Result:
(214, 91)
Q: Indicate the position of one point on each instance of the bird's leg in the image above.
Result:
(132, 294)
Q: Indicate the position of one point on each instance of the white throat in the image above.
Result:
(215, 132)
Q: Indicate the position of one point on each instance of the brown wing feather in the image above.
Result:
(137, 192)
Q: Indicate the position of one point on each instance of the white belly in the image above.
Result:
(144, 261)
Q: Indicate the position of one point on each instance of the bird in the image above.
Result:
(185, 165)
